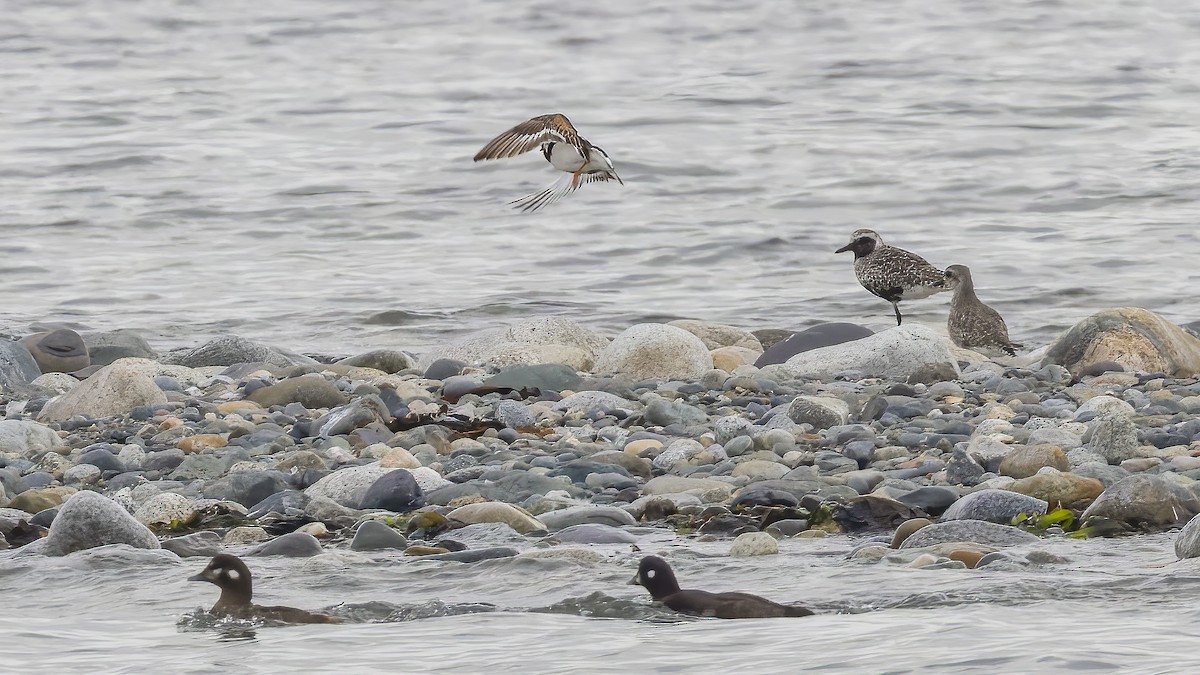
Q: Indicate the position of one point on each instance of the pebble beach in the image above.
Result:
(543, 438)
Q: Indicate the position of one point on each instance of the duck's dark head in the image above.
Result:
(862, 242)
(655, 575)
(231, 575)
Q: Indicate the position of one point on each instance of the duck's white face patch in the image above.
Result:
(649, 574)
(233, 574)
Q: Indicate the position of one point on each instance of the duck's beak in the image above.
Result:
(845, 248)
(636, 580)
(198, 577)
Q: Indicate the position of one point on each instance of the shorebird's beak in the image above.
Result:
(614, 173)
(845, 248)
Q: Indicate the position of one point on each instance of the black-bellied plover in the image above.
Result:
(972, 324)
(562, 146)
(892, 273)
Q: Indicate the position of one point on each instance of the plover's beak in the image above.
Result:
(614, 173)
(845, 248)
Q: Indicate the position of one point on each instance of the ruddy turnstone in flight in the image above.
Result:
(972, 324)
(563, 147)
(892, 273)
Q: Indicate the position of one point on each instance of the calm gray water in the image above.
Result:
(1120, 606)
(299, 171)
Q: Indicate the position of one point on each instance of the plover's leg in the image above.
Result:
(896, 307)
(575, 177)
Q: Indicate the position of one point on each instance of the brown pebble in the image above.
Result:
(425, 550)
(967, 557)
(907, 528)
(200, 441)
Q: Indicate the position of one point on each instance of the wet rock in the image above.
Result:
(821, 335)
(291, 545)
(594, 533)
(88, 520)
(387, 360)
(894, 354)
(497, 512)
(1139, 340)
(933, 500)
(996, 506)
(907, 528)
(1058, 487)
(754, 543)
(17, 367)
(106, 347)
(374, 535)
(655, 351)
(580, 515)
(228, 350)
(1144, 500)
(57, 351)
(475, 555)
(1187, 542)
(1025, 461)
(595, 401)
(311, 391)
(28, 438)
(977, 531)
(394, 491)
(872, 512)
(197, 544)
(115, 389)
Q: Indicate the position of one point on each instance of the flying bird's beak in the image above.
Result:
(636, 580)
(845, 248)
(614, 173)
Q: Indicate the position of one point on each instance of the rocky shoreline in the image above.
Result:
(550, 437)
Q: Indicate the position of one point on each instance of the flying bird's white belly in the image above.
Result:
(564, 157)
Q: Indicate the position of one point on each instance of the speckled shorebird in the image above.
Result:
(892, 273)
(972, 324)
(563, 147)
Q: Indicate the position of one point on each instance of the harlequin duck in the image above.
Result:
(233, 577)
(656, 576)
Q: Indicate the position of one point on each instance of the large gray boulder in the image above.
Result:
(1138, 339)
(995, 506)
(655, 350)
(893, 354)
(115, 389)
(978, 531)
(1142, 499)
(89, 519)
